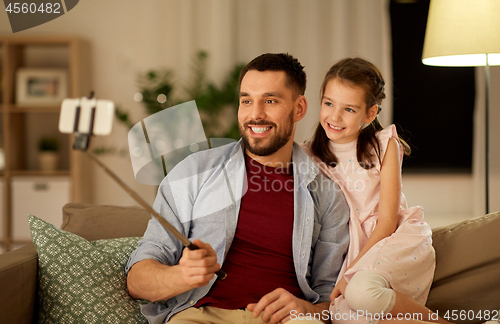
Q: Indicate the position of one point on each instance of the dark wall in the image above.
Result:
(434, 105)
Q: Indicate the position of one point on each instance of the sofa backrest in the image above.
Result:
(95, 222)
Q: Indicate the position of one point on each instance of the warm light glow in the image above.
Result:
(463, 60)
(461, 32)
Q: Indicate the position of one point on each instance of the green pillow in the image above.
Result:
(81, 281)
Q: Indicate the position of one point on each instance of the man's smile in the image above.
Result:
(259, 130)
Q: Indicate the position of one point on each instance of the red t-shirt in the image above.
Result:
(260, 258)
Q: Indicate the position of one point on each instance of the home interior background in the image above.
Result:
(317, 32)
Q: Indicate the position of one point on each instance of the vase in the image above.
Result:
(47, 161)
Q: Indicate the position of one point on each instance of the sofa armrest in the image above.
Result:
(467, 268)
(18, 279)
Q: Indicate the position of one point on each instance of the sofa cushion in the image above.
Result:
(82, 281)
(467, 277)
(96, 222)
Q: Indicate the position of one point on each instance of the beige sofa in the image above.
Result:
(467, 277)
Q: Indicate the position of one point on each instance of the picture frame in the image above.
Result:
(40, 87)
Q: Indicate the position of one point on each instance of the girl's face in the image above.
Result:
(344, 110)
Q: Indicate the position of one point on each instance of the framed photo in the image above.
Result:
(41, 87)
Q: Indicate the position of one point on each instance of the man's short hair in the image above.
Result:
(296, 77)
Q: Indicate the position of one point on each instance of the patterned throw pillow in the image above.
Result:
(81, 281)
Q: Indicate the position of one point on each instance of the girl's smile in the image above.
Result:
(335, 128)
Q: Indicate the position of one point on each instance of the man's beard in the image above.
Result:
(278, 141)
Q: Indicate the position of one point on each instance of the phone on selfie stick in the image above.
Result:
(86, 117)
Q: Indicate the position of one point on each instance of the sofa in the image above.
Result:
(466, 285)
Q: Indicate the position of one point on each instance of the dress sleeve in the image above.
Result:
(383, 138)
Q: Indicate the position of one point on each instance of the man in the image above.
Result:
(259, 207)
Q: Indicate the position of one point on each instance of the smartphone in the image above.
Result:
(76, 116)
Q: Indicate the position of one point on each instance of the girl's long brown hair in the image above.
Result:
(364, 74)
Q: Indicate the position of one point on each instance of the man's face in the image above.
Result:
(266, 112)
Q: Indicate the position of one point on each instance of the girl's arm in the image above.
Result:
(389, 202)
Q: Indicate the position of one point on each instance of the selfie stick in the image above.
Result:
(82, 142)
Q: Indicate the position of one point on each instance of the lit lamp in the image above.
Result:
(465, 33)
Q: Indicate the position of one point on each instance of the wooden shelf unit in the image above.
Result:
(16, 131)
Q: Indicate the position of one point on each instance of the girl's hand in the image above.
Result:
(338, 290)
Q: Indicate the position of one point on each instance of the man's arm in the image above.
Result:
(280, 306)
(154, 281)
(151, 280)
(161, 267)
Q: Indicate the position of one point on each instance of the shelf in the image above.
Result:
(22, 126)
(34, 109)
(39, 173)
(39, 39)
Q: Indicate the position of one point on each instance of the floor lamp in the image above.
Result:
(465, 33)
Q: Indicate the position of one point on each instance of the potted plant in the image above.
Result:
(48, 153)
(217, 104)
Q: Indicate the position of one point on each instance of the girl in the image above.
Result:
(390, 263)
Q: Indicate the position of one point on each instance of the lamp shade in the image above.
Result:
(462, 33)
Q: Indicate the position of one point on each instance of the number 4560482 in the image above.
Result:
(33, 8)
(486, 315)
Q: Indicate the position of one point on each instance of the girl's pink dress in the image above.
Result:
(406, 258)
